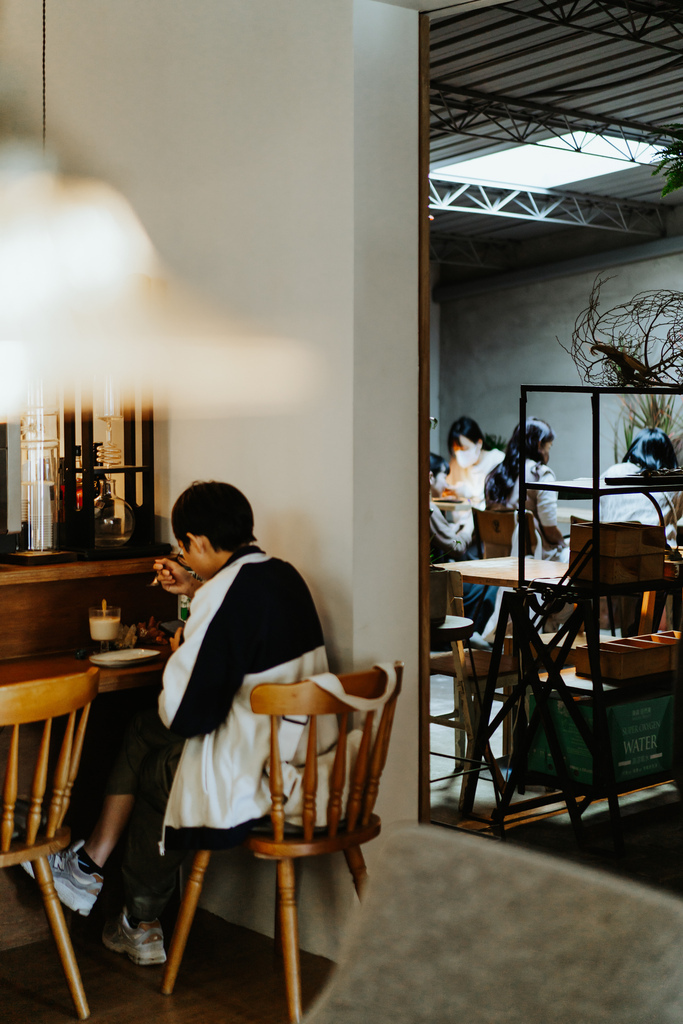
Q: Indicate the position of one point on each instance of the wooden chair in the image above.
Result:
(41, 701)
(353, 788)
(495, 532)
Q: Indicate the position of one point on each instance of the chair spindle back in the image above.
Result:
(25, 704)
(360, 779)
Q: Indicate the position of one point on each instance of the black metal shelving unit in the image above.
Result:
(79, 520)
(541, 663)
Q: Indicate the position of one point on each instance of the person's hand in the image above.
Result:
(173, 578)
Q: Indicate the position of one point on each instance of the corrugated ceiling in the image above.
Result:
(530, 68)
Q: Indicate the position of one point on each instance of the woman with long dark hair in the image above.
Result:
(650, 451)
(502, 485)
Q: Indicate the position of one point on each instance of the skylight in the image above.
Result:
(553, 162)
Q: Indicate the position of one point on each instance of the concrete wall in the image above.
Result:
(270, 150)
(493, 342)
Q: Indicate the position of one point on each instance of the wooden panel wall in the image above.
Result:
(40, 618)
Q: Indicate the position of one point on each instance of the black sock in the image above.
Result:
(134, 922)
(87, 864)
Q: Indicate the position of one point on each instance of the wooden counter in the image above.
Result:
(111, 679)
(43, 621)
(44, 609)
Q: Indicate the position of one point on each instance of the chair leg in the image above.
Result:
(183, 924)
(55, 918)
(356, 862)
(277, 931)
(289, 930)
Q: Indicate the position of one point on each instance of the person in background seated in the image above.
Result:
(448, 544)
(469, 466)
(651, 451)
(502, 485)
(470, 461)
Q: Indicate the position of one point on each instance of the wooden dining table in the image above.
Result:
(504, 572)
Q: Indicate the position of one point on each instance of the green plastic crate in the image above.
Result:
(641, 734)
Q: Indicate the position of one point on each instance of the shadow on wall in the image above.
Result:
(280, 534)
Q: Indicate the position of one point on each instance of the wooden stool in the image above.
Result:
(464, 718)
(454, 630)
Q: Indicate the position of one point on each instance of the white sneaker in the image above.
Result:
(76, 889)
(143, 945)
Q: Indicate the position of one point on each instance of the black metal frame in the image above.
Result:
(79, 523)
(537, 658)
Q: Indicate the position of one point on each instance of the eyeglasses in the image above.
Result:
(180, 559)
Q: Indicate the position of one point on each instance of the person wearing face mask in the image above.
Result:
(470, 461)
(469, 465)
(502, 485)
(448, 543)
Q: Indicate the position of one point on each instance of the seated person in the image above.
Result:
(191, 776)
(502, 485)
(470, 462)
(469, 466)
(447, 544)
(651, 450)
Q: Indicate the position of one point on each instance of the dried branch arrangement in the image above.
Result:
(636, 344)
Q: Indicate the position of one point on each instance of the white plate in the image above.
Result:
(129, 656)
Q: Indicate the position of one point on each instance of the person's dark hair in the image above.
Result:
(466, 427)
(502, 479)
(216, 511)
(652, 449)
(437, 464)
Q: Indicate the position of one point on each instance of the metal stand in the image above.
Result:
(541, 676)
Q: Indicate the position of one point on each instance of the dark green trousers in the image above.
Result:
(145, 768)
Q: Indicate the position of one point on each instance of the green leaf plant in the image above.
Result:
(671, 159)
(654, 411)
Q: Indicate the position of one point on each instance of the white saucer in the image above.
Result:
(128, 656)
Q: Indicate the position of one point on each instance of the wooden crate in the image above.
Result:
(632, 657)
(629, 552)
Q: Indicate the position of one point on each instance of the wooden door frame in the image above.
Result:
(424, 805)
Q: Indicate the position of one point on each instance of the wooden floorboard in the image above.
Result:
(229, 974)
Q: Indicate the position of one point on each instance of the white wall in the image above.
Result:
(493, 342)
(271, 153)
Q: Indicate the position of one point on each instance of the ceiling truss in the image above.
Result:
(536, 35)
(464, 251)
(636, 20)
(459, 110)
(545, 205)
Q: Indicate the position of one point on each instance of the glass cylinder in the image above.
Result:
(39, 469)
(114, 518)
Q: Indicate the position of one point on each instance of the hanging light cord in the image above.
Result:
(44, 91)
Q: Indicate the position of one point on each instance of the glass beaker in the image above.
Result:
(39, 469)
(114, 518)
